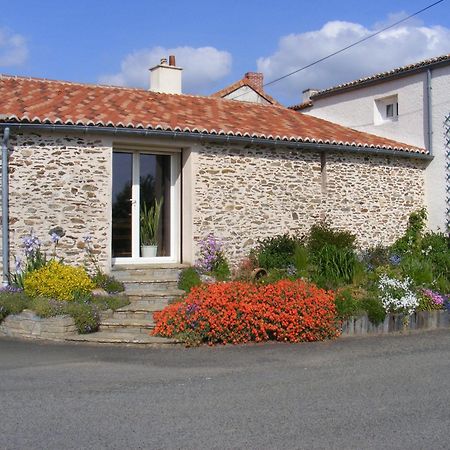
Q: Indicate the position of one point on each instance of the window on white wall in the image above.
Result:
(385, 109)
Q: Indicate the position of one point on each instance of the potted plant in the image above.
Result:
(149, 219)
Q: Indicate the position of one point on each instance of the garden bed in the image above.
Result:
(29, 325)
(421, 320)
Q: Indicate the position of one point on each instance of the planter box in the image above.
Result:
(423, 320)
(28, 325)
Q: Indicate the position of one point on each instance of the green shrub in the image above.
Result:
(436, 248)
(321, 235)
(277, 252)
(275, 275)
(346, 305)
(376, 256)
(419, 270)
(108, 283)
(221, 270)
(108, 302)
(188, 279)
(336, 264)
(44, 307)
(58, 281)
(374, 309)
(411, 241)
(12, 303)
(301, 260)
(85, 316)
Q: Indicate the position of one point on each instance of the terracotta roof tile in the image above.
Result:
(56, 102)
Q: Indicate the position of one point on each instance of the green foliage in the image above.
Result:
(12, 303)
(436, 248)
(411, 241)
(108, 283)
(374, 308)
(188, 279)
(301, 260)
(346, 305)
(221, 270)
(336, 264)
(86, 316)
(321, 235)
(109, 302)
(376, 256)
(277, 252)
(427, 304)
(418, 269)
(149, 219)
(275, 275)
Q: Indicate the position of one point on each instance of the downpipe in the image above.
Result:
(5, 207)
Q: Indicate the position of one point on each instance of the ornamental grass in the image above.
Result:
(240, 312)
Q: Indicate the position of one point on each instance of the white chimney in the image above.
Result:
(165, 77)
(307, 93)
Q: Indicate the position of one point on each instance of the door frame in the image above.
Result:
(175, 207)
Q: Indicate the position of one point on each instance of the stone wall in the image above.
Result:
(28, 325)
(61, 181)
(245, 194)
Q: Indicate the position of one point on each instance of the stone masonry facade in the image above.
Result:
(240, 193)
(246, 194)
(63, 181)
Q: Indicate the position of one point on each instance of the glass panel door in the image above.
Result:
(121, 204)
(145, 203)
(155, 202)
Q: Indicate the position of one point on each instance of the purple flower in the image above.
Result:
(55, 238)
(395, 260)
(18, 265)
(435, 297)
(87, 239)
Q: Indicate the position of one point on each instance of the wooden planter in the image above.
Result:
(423, 320)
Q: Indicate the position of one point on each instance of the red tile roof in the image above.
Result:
(32, 100)
(376, 78)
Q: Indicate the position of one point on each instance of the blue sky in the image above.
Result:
(215, 42)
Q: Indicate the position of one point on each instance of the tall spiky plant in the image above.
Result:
(150, 222)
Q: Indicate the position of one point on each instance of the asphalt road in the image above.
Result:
(380, 392)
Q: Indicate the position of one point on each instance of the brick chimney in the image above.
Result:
(255, 79)
(165, 77)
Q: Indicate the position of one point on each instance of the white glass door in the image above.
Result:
(145, 207)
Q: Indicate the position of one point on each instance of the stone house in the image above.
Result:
(409, 104)
(87, 157)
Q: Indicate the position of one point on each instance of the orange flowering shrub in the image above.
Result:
(239, 312)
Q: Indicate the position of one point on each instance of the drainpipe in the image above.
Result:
(429, 116)
(5, 207)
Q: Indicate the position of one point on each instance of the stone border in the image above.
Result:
(28, 325)
(422, 320)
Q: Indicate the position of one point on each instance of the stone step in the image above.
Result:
(136, 325)
(145, 295)
(129, 272)
(107, 337)
(149, 286)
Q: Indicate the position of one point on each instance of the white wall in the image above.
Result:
(246, 94)
(356, 108)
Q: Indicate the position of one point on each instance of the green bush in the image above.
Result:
(346, 305)
(301, 260)
(108, 283)
(12, 303)
(85, 316)
(337, 265)
(221, 270)
(277, 252)
(418, 269)
(108, 302)
(321, 235)
(376, 256)
(374, 308)
(411, 241)
(436, 248)
(188, 279)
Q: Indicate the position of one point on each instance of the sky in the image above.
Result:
(216, 42)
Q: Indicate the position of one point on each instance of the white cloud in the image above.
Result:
(13, 48)
(409, 42)
(202, 67)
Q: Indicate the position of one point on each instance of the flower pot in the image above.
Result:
(148, 251)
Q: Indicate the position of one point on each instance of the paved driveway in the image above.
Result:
(382, 392)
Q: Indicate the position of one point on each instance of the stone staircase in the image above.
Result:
(149, 288)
